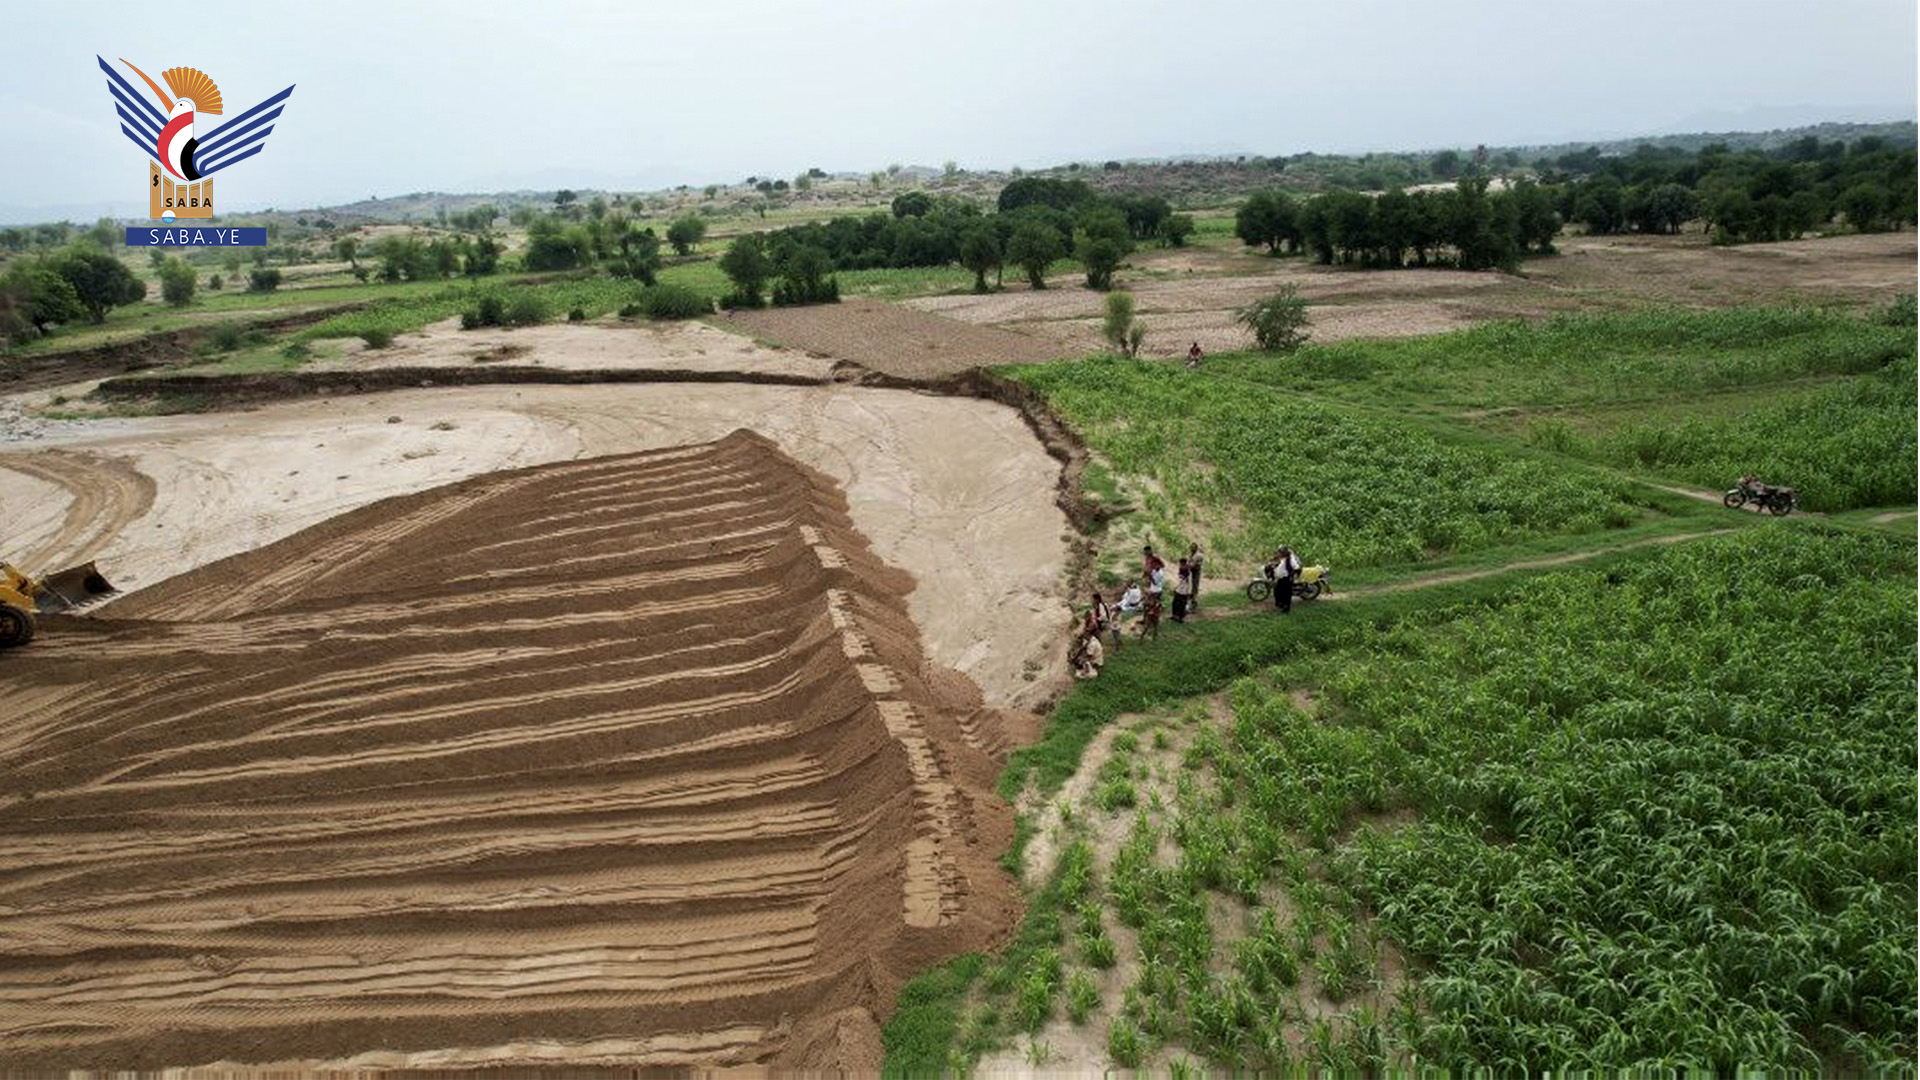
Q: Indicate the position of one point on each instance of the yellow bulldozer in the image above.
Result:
(23, 599)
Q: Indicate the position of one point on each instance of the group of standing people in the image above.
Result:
(1146, 603)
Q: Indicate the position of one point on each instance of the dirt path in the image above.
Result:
(1232, 603)
(636, 759)
(957, 491)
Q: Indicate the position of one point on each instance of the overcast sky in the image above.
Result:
(397, 96)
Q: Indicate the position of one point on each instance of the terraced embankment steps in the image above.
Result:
(630, 760)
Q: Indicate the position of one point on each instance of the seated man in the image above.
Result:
(1088, 657)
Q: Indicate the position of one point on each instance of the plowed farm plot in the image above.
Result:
(626, 760)
(895, 339)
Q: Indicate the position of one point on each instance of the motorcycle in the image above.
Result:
(1778, 501)
(1309, 584)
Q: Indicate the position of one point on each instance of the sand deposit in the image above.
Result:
(626, 760)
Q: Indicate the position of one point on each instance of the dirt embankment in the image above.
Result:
(630, 760)
(39, 371)
(255, 387)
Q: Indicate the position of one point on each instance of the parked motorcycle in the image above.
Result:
(1308, 584)
(1778, 501)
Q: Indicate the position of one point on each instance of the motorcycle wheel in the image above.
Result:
(1310, 591)
(1258, 591)
(1779, 507)
(1734, 500)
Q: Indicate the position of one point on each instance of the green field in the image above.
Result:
(1238, 468)
(1677, 827)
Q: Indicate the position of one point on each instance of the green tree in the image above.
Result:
(101, 281)
(1175, 229)
(1278, 322)
(346, 247)
(804, 278)
(483, 257)
(639, 256)
(1033, 247)
(746, 264)
(1865, 205)
(1601, 204)
(686, 233)
(980, 252)
(552, 245)
(177, 282)
(912, 204)
(37, 297)
(263, 279)
(1104, 239)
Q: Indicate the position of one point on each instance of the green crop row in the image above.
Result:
(1662, 813)
(1241, 468)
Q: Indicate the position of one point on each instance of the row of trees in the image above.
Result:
(1740, 197)
(1038, 222)
(1466, 227)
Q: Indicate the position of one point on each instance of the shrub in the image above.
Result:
(526, 309)
(228, 336)
(577, 314)
(670, 302)
(1900, 311)
(489, 310)
(214, 282)
(377, 337)
(1278, 322)
(263, 279)
(1123, 331)
(177, 281)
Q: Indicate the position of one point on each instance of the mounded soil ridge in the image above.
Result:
(631, 760)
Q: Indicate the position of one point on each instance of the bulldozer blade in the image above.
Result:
(72, 588)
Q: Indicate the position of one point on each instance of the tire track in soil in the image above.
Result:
(106, 493)
(626, 760)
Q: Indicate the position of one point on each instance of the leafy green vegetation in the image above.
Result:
(1680, 827)
(1843, 445)
(1247, 469)
(1643, 355)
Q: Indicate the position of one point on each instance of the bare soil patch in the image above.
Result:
(1190, 295)
(907, 342)
(599, 346)
(635, 759)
